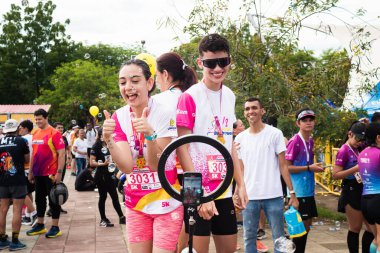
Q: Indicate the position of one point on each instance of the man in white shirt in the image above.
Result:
(262, 157)
(91, 135)
(80, 149)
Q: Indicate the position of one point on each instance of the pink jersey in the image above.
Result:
(143, 191)
(197, 110)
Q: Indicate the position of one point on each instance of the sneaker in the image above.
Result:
(106, 223)
(261, 247)
(37, 229)
(122, 220)
(53, 232)
(48, 213)
(34, 220)
(4, 244)
(26, 220)
(63, 210)
(261, 234)
(16, 246)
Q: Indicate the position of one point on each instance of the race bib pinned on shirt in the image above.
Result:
(217, 167)
(143, 179)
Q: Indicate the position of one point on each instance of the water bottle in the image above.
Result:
(296, 228)
(284, 245)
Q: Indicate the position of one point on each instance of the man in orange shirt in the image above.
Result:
(46, 169)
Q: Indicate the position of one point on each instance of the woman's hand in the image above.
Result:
(141, 124)
(108, 126)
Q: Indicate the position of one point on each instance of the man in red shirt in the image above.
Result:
(46, 169)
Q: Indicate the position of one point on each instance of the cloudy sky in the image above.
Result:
(125, 22)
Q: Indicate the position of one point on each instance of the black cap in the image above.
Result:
(358, 129)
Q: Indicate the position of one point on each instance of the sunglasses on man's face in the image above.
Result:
(211, 63)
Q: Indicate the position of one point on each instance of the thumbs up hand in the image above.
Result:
(108, 126)
(141, 124)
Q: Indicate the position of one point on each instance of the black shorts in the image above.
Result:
(307, 208)
(371, 207)
(351, 195)
(222, 224)
(13, 192)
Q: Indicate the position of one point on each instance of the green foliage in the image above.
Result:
(81, 84)
(268, 64)
(28, 39)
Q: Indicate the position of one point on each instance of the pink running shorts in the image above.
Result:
(165, 227)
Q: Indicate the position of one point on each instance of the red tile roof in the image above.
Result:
(22, 108)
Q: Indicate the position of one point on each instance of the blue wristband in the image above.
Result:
(151, 137)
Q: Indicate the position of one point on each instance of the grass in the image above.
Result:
(325, 213)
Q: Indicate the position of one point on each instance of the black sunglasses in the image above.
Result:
(211, 63)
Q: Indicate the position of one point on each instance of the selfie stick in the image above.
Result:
(191, 210)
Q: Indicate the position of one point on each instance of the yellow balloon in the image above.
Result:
(150, 60)
(94, 110)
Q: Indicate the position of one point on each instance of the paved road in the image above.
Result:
(81, 231)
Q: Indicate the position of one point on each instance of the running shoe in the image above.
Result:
(34, 220)
(106, 223)
(261, 234)
(26, 220)
(53, 232)
(37, 229)
(261, 247)
(16, 246)
(4, 244)
(122, 220)
(63, 210)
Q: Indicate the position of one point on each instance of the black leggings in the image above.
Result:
(107, 185)
(43, 186)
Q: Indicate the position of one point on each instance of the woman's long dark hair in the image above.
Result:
(177, 69)
(98, 143)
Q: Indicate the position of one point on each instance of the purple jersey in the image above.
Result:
(369, 168)
(347, 158)
(303, 182)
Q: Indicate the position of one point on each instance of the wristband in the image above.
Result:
(308, 167)
(151, 137)
(292, 192)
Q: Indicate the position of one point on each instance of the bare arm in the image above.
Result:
(316, 167)
(183, 151)
(286, 176)
(339, 173)
(154, 149)
(240, 190)
(120, 151)
(61, 164)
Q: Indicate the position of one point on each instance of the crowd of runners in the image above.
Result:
(270, 172)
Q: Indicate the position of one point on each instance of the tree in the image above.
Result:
(31, 47)
(77, 86)
(267, 62)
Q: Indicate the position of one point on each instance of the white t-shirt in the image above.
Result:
(29, 137)
(259, 153)
(90, 138)
(81, 146)
(170, 98)
(197, 110)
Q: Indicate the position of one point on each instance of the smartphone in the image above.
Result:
(192, 188)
